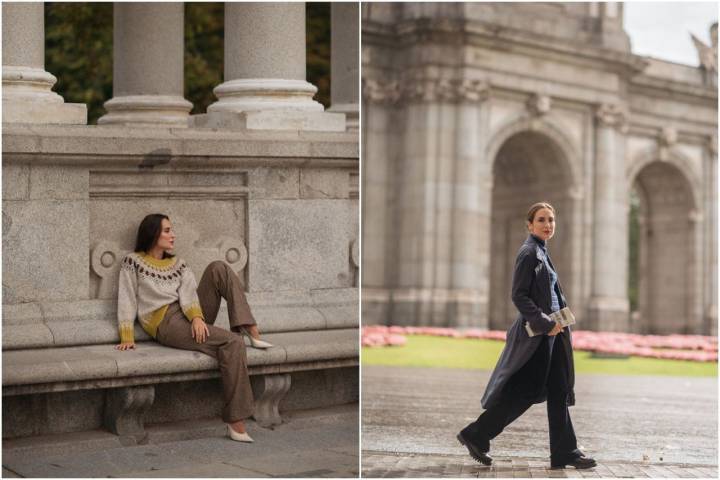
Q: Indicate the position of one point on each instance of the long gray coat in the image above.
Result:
(531, 296)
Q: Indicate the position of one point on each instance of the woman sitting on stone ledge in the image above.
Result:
(159, 289)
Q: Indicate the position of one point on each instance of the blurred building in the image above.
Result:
(474, 111)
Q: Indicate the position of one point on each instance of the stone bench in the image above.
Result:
(47, 350)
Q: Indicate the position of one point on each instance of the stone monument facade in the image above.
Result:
(474, 111)
(266, 181)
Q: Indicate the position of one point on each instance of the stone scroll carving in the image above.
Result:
(105, 257)
(269, 391)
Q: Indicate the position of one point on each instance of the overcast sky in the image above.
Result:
(661, 29)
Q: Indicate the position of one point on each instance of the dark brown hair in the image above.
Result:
(533, 210)
(148, 233)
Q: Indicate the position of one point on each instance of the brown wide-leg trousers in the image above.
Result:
(228, 348)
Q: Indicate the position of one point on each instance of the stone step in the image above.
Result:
(102, 366)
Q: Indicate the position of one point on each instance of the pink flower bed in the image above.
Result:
(695, 348)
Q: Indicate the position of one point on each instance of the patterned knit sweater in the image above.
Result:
(147, 287)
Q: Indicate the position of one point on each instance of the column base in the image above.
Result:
(256, 94)
(308, 121)
(607, 314)
(352, 114)
(28, 98)
(146, 110)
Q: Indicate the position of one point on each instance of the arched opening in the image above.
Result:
(529, 167)
(661, 250)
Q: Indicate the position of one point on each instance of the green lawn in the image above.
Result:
(430, 351)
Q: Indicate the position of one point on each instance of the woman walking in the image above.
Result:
(532, 369)
(159, 289)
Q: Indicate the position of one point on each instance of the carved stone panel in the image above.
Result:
(207, 210)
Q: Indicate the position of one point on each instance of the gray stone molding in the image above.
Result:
(270, 392)
(125, 410)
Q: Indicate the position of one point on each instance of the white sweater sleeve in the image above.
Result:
(127, 300)
(187, 294)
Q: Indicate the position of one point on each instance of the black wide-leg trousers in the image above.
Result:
(518, 397)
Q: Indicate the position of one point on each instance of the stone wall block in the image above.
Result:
(48, 182)
(48, 242)
(277, 183)
(300, 244)
(324, 183)
(15, 182)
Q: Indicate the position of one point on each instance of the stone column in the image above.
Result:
(344, 56)
(472, 192)
(147, 66)
(265, 86)
(608, 307)
(27, 94)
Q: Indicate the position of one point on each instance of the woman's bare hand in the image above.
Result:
(556, 329)
(200, 330)
(126, 346)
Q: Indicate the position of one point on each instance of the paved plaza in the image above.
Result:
(634, 426)
(320, 443)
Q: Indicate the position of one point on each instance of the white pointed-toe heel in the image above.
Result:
(239, 437)
(256, 342)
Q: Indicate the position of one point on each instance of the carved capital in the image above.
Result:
(612, 115)
(445, 90)
(380, 91)
(538, 104)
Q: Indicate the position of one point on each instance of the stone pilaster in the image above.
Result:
(27, 96)
(443, 198)
(472, 197)
(265, 86)
(147, 66)
(608, 307)
(344, 55)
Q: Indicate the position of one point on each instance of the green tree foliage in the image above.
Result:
(318, 49)
(79, 52)
(204, 33)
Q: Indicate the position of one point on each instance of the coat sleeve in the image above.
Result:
(522, 280)
(127, 300)
(187, 295)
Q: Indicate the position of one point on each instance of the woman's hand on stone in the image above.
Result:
(126, 346)
(555, 330)
(200, 330)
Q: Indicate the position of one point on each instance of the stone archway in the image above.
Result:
(666, 251)
(529, 167)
